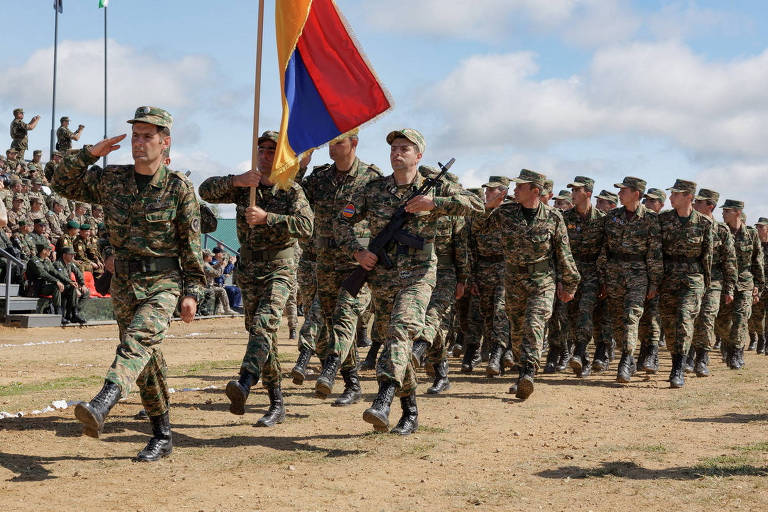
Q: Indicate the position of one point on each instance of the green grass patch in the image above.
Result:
(650, 448)
(757, 447)
(206, 366)
(18, 388)
(432, 430)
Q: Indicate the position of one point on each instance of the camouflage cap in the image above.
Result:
(65, 118)
(528, 176)
(608, 196)
(10, 150)
(85, 226)
(37, 152)
(73, 224)
(269, 135)
(35, 199)
(25, 181)
(18, 197)
(582, 182)
(412, 135)
(152, 115)
(497, 181)
(67, 249)
(762, 221)
(547, 188)
(656, 193)
(564, 195)
(354, 132)
(683, 186)
(56, 153)
(18, 111)
(733, 204)
(207, 252)
(37, 181)
(706, 194)
(632, 182)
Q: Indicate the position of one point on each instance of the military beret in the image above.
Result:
(733, 204)
(582, 182)
(632, 182)
(269, 135)
(152, 115)
(412, 135)
(497, 181)
(656, 193)
(528, 176)
(73, 224)
(85, 226)
(21, 222)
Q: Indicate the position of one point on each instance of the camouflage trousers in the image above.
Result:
(437, 320)
(679, 305)
(558, 329)
(649, 331)
(489, 277)
(313, 328)
(732, 322)
(402, 303)
(291, 311)
(142, 324)
(584, 315)
(265, 286)
(340, 310)
(627, 289)
(602, 319)
(757, 320)
(529, 306)
(704, 326)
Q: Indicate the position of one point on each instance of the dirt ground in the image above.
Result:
(574, 445)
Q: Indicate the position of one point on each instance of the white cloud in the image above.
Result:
(651, 89)
(136, 78)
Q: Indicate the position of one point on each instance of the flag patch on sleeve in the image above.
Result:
(349, 211)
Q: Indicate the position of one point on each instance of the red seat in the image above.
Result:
(88, 277)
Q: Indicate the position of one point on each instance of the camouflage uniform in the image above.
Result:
(64, 138)
(155, 233)
(291, 305)
(731, 324)
(20, 142)
(631, 262)
(757, 320)
(313, 332)
(401, 294)
(687, 251)
(266, 264)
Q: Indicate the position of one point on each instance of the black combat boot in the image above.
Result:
(238, 390)
(92, 414)
(161, 444)
(276, 412)
(494, 361)
(363, 340)
(508, 361)
(409, 421)
(513, 387)
(600, 361)
(563, 357)
(752, 341)
(525, 382)
(717, 344)
(642, 356)
(702, 359)
(690, 360)
(677, 375)
(627, 368)
(551, 364)
(299, 371)
(292, 333)
(441, 382)
(760, 343)
(299, 310)
(370, 358)
(579, 363)
(612, 350)
(352, 391)
(651, 363)
(378, 413)
(740, 355)
(471, 358)
(417, 352)
(458, 345)
(324, 383)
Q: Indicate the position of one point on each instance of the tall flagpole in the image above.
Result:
(55, 57)
(257, 99)
(104, 161)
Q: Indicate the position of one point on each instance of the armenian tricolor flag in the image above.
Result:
(328, 86)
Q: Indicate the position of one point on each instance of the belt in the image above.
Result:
(445, 260)
(322, 242)
(267, 255)
(141, 265)
(531, 268)
(410, 251)
(680, 259)
(626, 258)
(496, 258)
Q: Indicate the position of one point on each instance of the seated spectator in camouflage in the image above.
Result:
(39, 232)
(43, 280)
(86, 252)
(16, 213)
(69, 236)
(52, 163)
(214, 293)
(22, 241)
(54, 225)
(36, 209)
(72, 302)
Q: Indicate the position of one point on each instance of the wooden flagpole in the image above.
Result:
(257, 98)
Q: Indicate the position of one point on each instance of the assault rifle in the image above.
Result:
(392, 233)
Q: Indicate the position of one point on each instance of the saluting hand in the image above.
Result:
(420, 204)
(106, 146)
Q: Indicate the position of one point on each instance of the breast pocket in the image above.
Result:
(160, 227)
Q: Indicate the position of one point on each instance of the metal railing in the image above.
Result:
(206, 236)
(11, 261)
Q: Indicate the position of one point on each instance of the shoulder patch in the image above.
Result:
(349, 211)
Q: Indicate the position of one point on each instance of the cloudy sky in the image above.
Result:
(605, 88)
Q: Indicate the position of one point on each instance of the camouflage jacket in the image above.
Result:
(288, 213)
(687, 248)
(533, 251)
(628, 238)
(585, 235)
(211, 273)
(24, 244)
(749, 259)
(328, 195)
(485, 245)
(38, 239)
(378, 200)
(64, 138)
(724, 264)
(19, 131)
(161, 221)
(48, 170)
(451, 238)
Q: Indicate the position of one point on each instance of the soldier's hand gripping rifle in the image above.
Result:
(394, 232)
